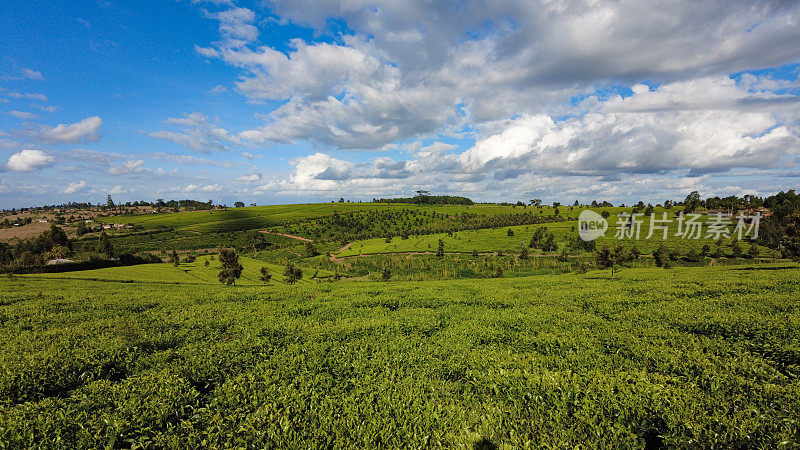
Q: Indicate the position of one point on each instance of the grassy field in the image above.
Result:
(491, 240)
(689, 357)
(186, 273)
(254, 217)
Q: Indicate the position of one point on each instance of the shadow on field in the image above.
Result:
(766, 268)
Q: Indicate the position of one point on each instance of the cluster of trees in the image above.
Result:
(50, 244)
(53, 244)
(428, 200)
(543, 240)
(614, 258)
(16, 222)
(781, 230)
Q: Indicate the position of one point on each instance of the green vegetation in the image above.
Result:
(190, 273)
(691, 357)
(417, 322)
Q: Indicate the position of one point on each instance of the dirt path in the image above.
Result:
(333, 255)
(288, 235)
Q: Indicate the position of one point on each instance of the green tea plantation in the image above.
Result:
(702, 357)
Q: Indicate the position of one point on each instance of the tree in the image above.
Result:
(536, 202)
(173, 258)
(510, 232)
(440, 250)
(611, 259)
(292, 273)
(256, 239)
(523, 254)
(386, 274)
(206, 263)
(231, 267)
(109, 202)
(104, 245)
(736, 249)
(265, 275)
(310, 250)
(82, 228)
(238, 204)
(692, 202)
(660, 255)
(549, 244)
(752, 252)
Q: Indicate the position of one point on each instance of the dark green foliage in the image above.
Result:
(428, 200)
(292, 274)
(386, 274)
(440, 249)
(549, 243)
(523, 254)
(564, 255)
(753, 252)
(104, 246)
(174, 258)
(661, 256)
(510, 232)
(231, 268)
(309, 250)
(82, 228)
(265, 275)
(736, 249)
(692, 202)
(607, 258)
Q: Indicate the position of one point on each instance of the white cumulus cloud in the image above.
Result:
(75, 187)
(29, 160)
(86, 130)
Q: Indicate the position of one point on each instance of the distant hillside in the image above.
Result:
(429, 200)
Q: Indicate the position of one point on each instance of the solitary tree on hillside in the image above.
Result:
(692, 202)
(256, 239)
(238, 204)
(440, 250)
(292, 273)
(265, 275)
(310, 250)
(231, 267)
(104, 245)
(82, 228)
(610, 259)
(173, 258)
(661, 256)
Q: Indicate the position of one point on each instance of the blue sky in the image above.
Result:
(285, 101)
